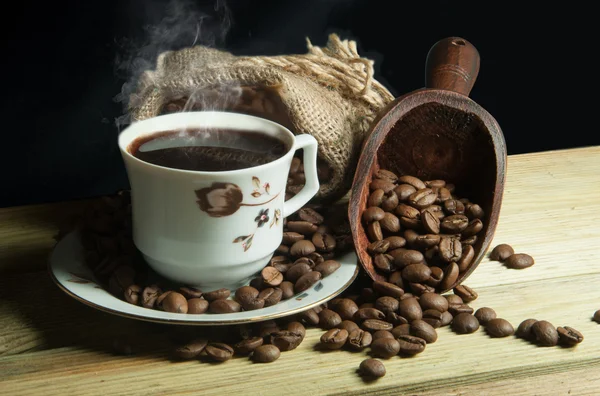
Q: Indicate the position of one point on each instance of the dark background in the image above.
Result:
(64, 63)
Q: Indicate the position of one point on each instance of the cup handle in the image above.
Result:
(311, 186)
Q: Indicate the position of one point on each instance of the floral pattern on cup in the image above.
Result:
(261, 219)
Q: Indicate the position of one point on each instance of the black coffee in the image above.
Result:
(208, 149)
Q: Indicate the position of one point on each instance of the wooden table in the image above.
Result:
(53, 345)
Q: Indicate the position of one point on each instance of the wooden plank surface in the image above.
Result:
(53, 345)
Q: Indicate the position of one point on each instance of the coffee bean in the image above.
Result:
(454, 207)
(465, 323)
(246, 295)
(296, 271)
(410, 236)
(596, 316)
(420, 328)
(413, 181)
(366, 305)
(470, 241)
(374, 231)
(446, 318)
(282, 249)
(390, 201)
(266, 328)
(545, 333)
(190, 292)
(404, 257)
(247, 346)
(287, 290)
(501, 252)
(519, 261)
(433, 317)
(197, 306)
(437, 274)
(191, 349)
(220, 294)
(388, 289)
(525, 331)
(386, 304)
(224, 306)
(411, 345)
(149, 296)
(218, 351)
(474, 227)
(386, 175)
(348, 325)
(310, 215)
(359, 339)
(420, 288)
(499, 328)
(373, 213)
(416, 273)
(376, 198)
(426, 241)
(484, 315)
(408, 212)
(410, 309)
(286, 340)
(323, 242)
(346, 309)
(390, 223)
(306, 281)
(435, 183)
(395, 278)
(433, 301)
(453, 299)
(383, 262)
(315, 257)
(378, 247)
(173, 302)
(309, 317)
(450, 276)
(381, 184)
(474, 211)
(403, 191)
(568, 336)
(327, 267)
(302, 227)
(456, 309)
(376, 324)
(454, 224)
(382, 334)
(466, 293)
(270, 296)
(266, 354)
(395, 319)
(334, 339)
(422, 198)
(302, 248)
(289, 238)
(468, 254)
(368, 313)
(371, 368)
(450, 250)
(385, 348)
(132, 294)
(400, 330)
(257, 283)
(329, 319)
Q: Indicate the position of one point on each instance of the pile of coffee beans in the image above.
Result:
(421, 234)
(506, 254)
(312, 238)
(543, 333)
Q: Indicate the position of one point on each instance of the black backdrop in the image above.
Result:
(63, 64)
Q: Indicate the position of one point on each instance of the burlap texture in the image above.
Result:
(328, 93)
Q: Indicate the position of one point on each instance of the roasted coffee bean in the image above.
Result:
(501, 252)
(456, 309)
(270, 296)
(376, 198)
(246, 295)
(289, 238)
(316, 258)
(282, 249)
(247, 346)
(395, 278)
(413, 181)
(454, 207)
(387, 289)
(190, 292)
(433, 317)
(309, 317)
(287, 290)
(474, 211)
(383, 262)
(420, 328)
(385, 348)
(172, 302)
(371, 368)
(376, 324)
(386, 175)
(484, 315)
(446, 318)
(435, 183)
(382, 334)
(327, 267)
(306, 281)
(334, 339)
(359, 339)
(450, 276)
(348, 325)
(310, 215)
(329, 319)
(368, 313)
(192, 349)
(132, 294)
(197, 306)
(220, 294)
(400, 330)
(120, 280)
(453, 299)
(420, 288)
(302, 227)
(404, 257)
(410, 309)
(465, 323)
(305, 260)
(437, 274)
(403, 191)
(390, 223)
(426, 241)
(465, 293)
(519, 261)
(408, 212)
(443, 194)
(525, 331)
(545, 333)
(346, 308)
(395, 319)
(454, 224)
(499, 328)
(410, 236)
(568, 336)
(266, 354)
(374, 231)
(386, 304)
(422, 198)
(281, 267)
(257, 283)
(468, 254)
(218, 351)
(474, 227)
(416, 273)
(470, 241)
(286, 340)
(378, 247)
(265, 329)
(224, 306)
(302, 248)
(390, 201)
(450, 249)
(411, 345)
(366, 305)
(372, 214)
(381, 184)
(596, 316)
(323, 242)
(433, 301)
(296, 271)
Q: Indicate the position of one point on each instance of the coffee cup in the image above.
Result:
(213, 229)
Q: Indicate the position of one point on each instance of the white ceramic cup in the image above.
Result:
(213, 229)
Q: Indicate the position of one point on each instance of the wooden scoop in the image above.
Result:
(437, 132)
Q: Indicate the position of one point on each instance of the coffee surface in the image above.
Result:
(208, 149)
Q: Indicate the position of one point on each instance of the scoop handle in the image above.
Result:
(452, 64)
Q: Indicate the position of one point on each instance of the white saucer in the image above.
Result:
(70, 273)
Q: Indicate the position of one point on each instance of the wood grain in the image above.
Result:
(52, 345)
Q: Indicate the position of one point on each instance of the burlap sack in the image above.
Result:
(328, 92)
